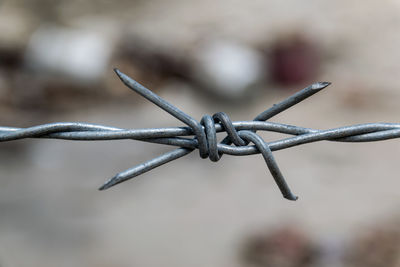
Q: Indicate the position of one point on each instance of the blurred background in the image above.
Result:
(240, 57)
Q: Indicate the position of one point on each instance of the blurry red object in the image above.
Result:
(294, 60)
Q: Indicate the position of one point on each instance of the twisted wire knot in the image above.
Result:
(206, 134)
(210, 149)
(240, 134)
(239, 138)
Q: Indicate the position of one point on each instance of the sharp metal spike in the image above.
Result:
(204, 136)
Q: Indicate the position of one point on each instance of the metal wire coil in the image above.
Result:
(240, 134)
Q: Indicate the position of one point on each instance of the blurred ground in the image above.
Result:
(193, 212)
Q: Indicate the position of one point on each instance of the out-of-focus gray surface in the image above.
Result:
(193, 212)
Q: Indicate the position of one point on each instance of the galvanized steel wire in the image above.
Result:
(239, 134)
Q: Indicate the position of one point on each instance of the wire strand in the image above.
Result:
(202, 135)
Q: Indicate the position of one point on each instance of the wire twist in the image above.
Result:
(204, 133)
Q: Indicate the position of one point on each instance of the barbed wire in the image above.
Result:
(239, 134)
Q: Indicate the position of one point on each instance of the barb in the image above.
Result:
(202, 135)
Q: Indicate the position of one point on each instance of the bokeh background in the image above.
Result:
(240, 57)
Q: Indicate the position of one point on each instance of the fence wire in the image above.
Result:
(202, 135)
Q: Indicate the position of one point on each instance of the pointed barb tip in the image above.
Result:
(103, 187)
(320, 85)
(110, 183)
(291, 197)
(118, 72)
